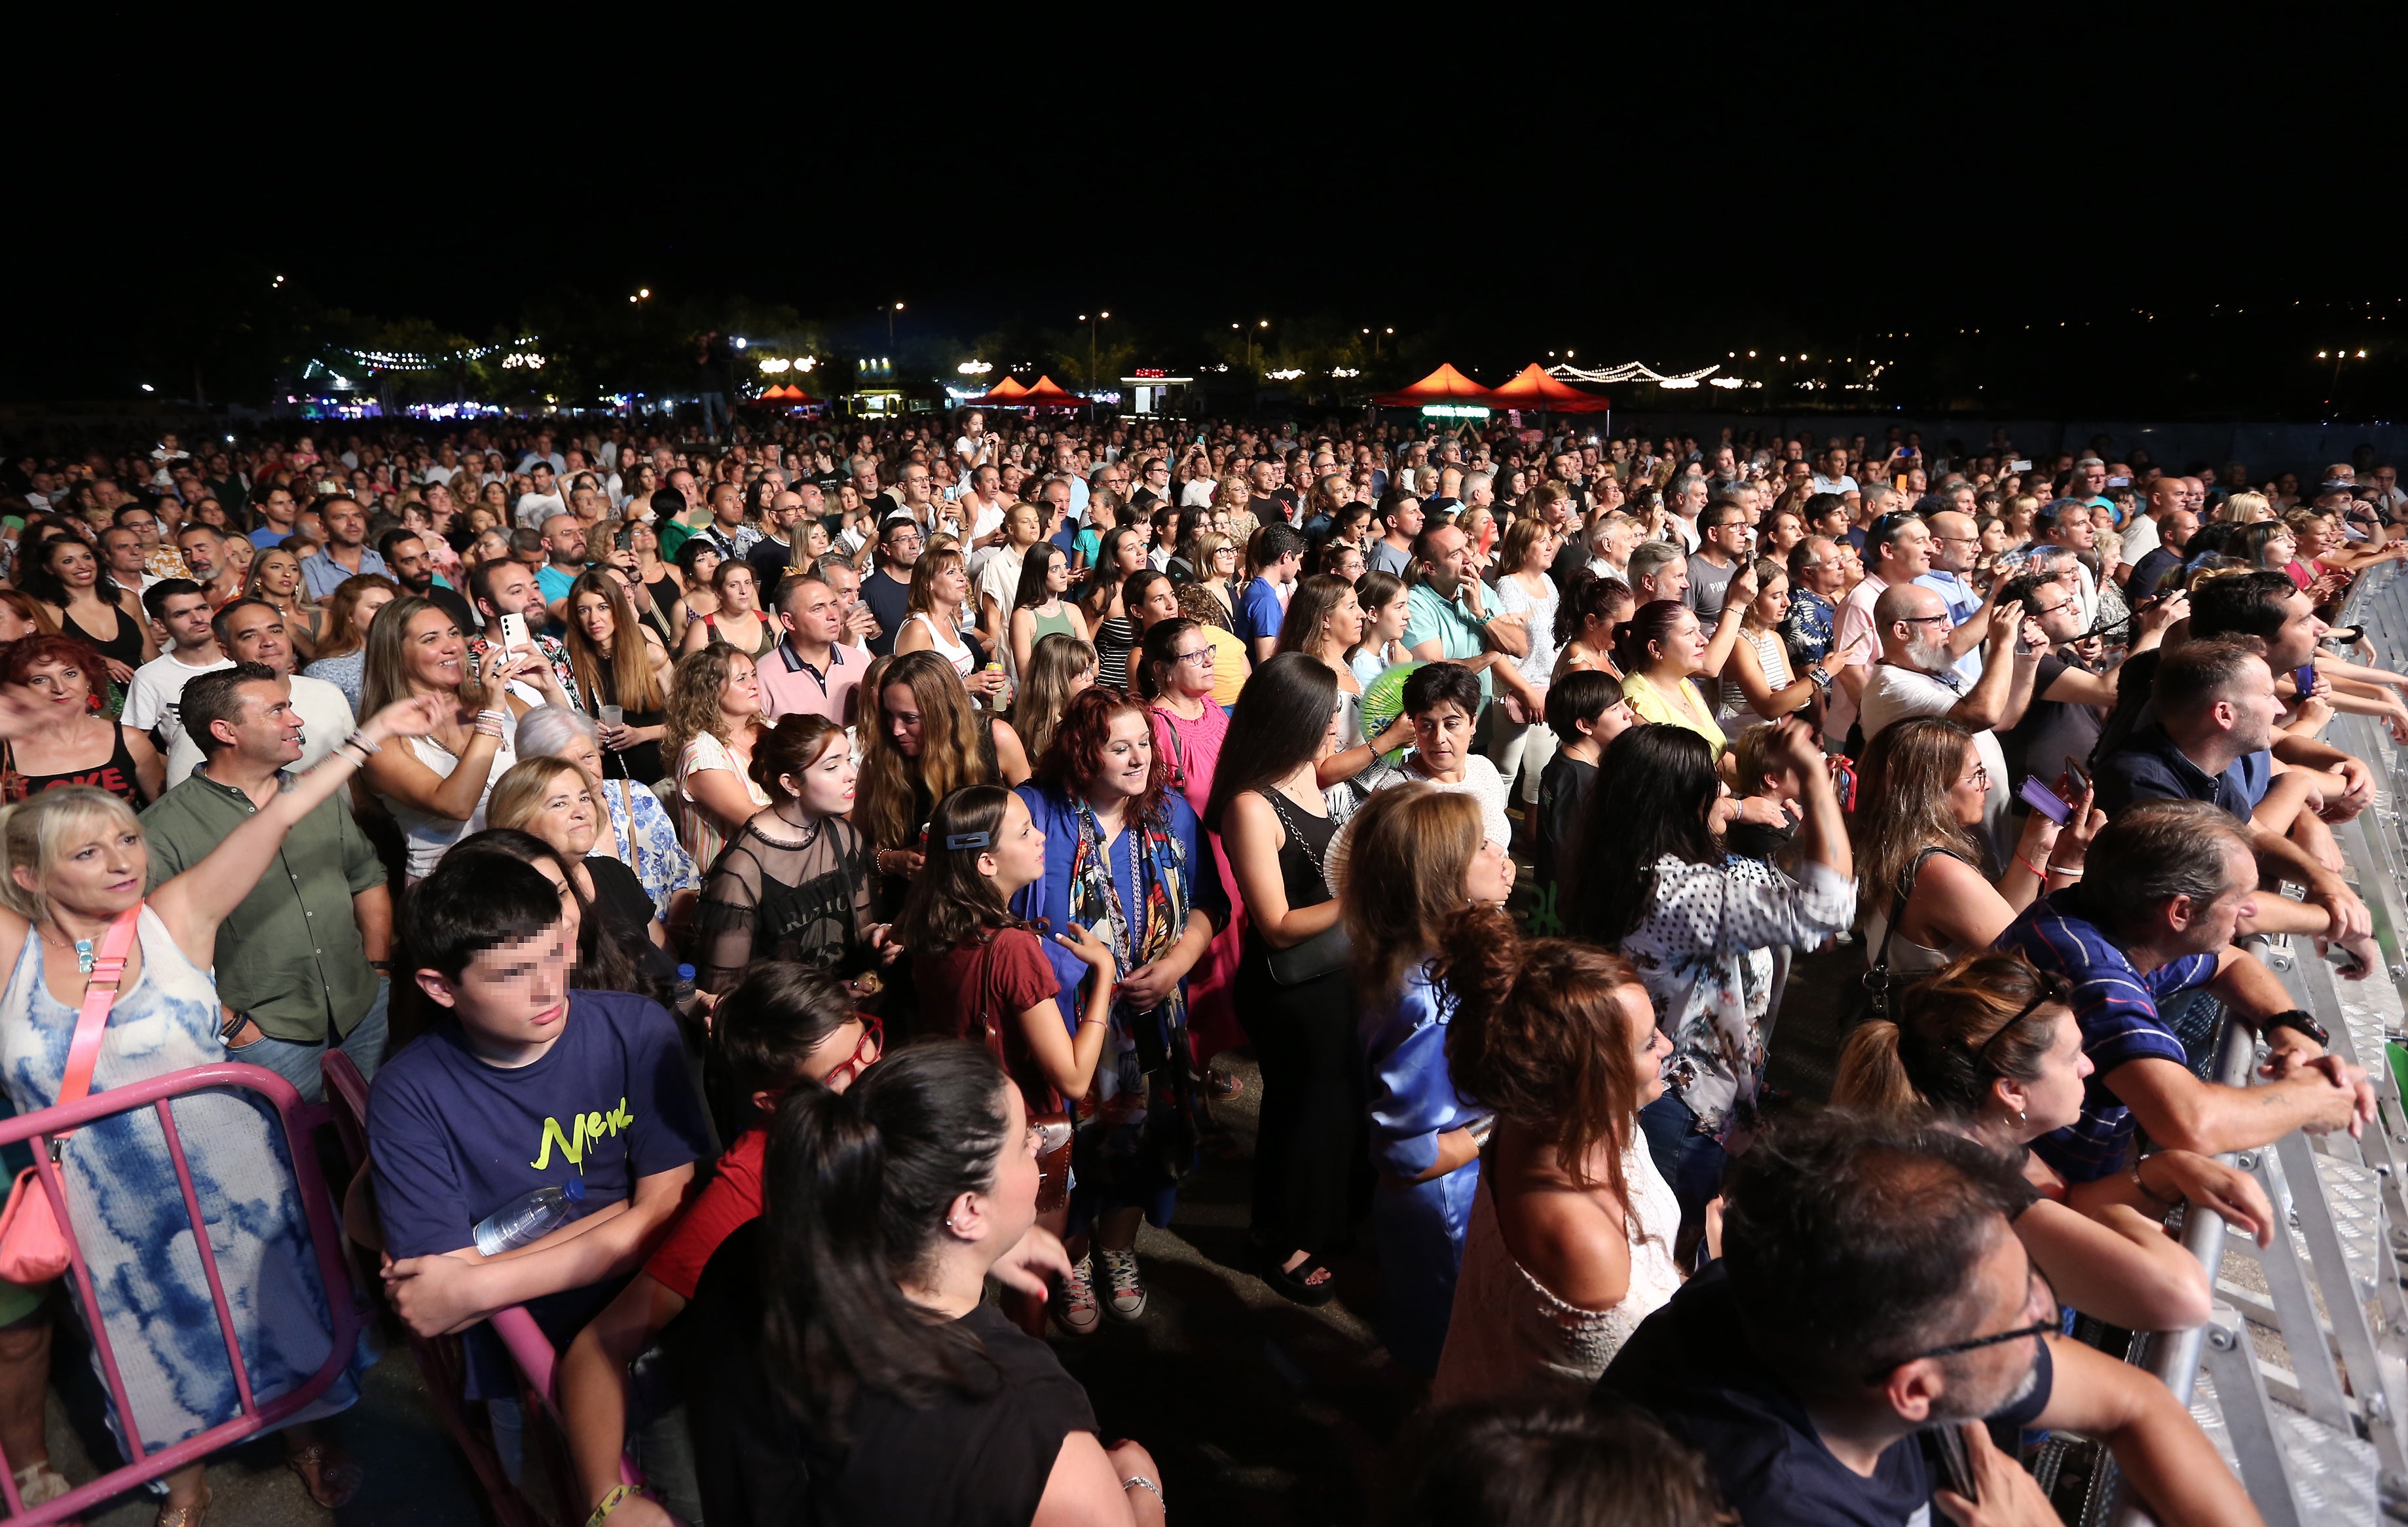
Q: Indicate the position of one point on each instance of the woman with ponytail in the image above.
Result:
(849, 1369)
(1572, 1235)
(1420, 856)
(1988, 1046)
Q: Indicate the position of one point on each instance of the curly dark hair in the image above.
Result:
(1077, 752)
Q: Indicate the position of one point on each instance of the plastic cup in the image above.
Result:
(614, 715)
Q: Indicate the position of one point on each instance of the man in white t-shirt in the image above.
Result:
(1898, 550)
(253, 631)
(178, 604)
(1834, 477)
(981, 505)
(544, 501)
(1914, 678)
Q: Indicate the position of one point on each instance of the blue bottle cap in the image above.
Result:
(685, 973)
(574, 1189)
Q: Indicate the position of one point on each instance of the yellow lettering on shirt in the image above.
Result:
(584, 1129)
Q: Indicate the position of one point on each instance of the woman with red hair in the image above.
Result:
(1123, 857)
(72, 743)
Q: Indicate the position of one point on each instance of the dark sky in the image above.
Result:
(1651, 206)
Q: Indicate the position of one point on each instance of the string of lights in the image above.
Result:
(1630, 371)
(382, 360)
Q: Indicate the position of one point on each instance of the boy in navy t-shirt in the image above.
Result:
(533, 1085)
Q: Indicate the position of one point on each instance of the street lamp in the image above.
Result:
(1101, 313)
(890, 324)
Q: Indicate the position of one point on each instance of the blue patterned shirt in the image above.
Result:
(1807, 627)
(2117, 1008)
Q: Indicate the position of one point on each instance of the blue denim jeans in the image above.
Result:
(1690, 1162)
(297, 1063)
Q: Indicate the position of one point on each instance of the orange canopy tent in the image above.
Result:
(1444, 385)
(1533, 388)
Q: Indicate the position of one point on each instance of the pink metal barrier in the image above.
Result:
(300, 1120)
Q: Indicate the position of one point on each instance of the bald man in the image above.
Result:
(2141, 536)
(1915, 677)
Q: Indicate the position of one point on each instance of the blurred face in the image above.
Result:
(903, 722)
(2176, 528)
(513, 591)
(516, 995)
(900, 547)
(584, 752)
(1010, 1207)
(346, 523)
(2279, 549)
(815, 614)
(187, 619)
(567, 819)
(741, 694)
(1772, 605)
(125, 555)
(1128, 759)
(1442, 734)
(1646, 1040)
(2053, 1100)
(951, 586)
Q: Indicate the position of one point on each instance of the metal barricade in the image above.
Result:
(299, 1120)
(2325, 1439)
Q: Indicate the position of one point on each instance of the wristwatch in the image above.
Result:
(2296, 1018)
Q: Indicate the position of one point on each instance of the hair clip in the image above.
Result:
(955, 842)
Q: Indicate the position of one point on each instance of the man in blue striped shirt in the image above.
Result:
(2170, 884)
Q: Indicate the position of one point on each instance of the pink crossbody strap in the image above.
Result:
(99, 996)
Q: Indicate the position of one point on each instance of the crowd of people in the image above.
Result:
(845, 870)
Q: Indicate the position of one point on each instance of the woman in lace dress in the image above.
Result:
(1570, 1243)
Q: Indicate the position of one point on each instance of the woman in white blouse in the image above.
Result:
(1702, 926)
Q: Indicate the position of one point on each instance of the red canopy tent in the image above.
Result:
(1533, 388)
(1444, 385)
(1048, 394)
(1004, 394)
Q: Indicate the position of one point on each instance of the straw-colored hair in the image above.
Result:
(35, 833)
(519, 793)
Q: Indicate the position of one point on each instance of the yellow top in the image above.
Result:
(1649, 702)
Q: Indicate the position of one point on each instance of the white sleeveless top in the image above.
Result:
(955, 651)
(1510, 1332)
(427, 838)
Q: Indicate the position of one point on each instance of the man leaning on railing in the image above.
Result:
(2169, 884)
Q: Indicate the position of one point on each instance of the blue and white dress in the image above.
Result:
(659, 860)
(128, 1213)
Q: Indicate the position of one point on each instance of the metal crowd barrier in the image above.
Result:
(299, 1122)
(2300, 1375)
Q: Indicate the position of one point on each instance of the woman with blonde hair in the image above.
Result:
(1988, 1046)
(2244, 509)
(436, 786)
(713, 719)
(558, 802)
(1426, 858)
(73, 864)
(1059, 666)
(1214, 558)
(618, 660)
(920, 740)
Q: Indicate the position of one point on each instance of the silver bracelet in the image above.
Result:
(1136, 1481)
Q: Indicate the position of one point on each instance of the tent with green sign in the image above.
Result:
(1446, 385)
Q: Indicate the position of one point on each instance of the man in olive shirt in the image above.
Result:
(292, 968)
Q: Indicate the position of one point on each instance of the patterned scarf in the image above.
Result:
(1150, 1102)
(1160, 867)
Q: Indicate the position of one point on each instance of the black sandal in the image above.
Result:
(1293, 1283)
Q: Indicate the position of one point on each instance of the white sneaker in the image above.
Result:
(1076, 1310)
(1128, 1290)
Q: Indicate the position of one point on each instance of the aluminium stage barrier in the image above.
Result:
(2300, 1375)
(298, 1123)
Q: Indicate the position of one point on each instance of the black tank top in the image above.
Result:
(117, 776)
(1304, 852)
(125, 646)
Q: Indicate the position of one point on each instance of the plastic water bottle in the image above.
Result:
(681, 994)
(528, 1218)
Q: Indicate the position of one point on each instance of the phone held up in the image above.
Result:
(514, 633)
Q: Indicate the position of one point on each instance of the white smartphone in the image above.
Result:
(514, 633)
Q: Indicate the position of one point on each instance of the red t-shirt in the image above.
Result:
(1005, 977)
(729, 1201)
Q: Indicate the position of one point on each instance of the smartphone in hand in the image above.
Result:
(2045, 801)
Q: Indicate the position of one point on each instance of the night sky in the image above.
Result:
(2211, 236)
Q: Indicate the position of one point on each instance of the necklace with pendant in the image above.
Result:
(82, 948)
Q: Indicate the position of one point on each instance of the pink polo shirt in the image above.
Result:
(791, 687)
